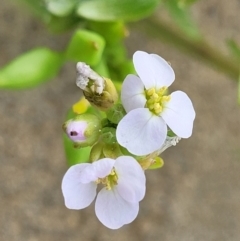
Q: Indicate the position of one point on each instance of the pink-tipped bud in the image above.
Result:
(83, 130)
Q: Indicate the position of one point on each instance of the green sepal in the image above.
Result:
(31, 69)
(85, 46)
(108, 135)
(116, 113)
(112, 150)
(157, 164)
(97, 152)
(170, 133)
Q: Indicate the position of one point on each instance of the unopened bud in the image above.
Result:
(83, 130)
(116, 113)
(99, 91)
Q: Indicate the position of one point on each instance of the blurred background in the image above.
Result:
(194, 197)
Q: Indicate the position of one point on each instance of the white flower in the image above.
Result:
(149, 110)
(118, 202)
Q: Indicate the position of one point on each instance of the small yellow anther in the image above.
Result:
(154, 96)
(150, 91)
(166, 98)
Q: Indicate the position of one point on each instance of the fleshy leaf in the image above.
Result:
(60, 8)
(111, 10)
(85, 46)
(30, 69)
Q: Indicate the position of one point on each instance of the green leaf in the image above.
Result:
(234, 48)
(185, 3)
(182, 18)
(30, 69)
(58, 24)
(85, 46)
(111, 10)
(239, 90)
(75, 155)
(113, 32)
(60, 8)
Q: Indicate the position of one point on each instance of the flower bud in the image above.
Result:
(116, 113)
(99, 91)
(83, 130)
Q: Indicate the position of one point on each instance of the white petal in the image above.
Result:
(132, 94)
(113, 211)
(141, 132)
(164, 74)
(131, 179)
(103, 167)
(143, 65)
(95, 170)
(76, 194)
(179, 114)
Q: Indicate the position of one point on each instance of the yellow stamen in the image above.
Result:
(156, 99)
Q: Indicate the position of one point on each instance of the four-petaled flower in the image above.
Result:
(118, 202)
(149, 110)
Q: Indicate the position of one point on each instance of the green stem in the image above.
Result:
(198, 48)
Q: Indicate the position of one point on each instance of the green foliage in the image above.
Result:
(234, 48)
(30, 69)
(75, 155)
(85, 46)
(239, 90)
(111, 10)
(185, 3)
(181, 16)
(60, 8)
(113, 32)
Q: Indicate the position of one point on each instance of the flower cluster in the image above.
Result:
(127, 140)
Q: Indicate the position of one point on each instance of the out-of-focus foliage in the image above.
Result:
(85, 46)
(239, 90)
(112, 10)
(31, 69)
(180, 13)
(234, 49)
(60, 15)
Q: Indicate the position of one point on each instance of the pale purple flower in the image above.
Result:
(118, 202)
(149, 110)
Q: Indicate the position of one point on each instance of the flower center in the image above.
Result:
(156, 99)
(110, 180)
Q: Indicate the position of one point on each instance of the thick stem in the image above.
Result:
(197, 48)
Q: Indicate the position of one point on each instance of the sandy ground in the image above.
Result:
(195, 197)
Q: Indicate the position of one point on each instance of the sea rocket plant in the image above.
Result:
(125, 139)
(118, 202)
(149, 110)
